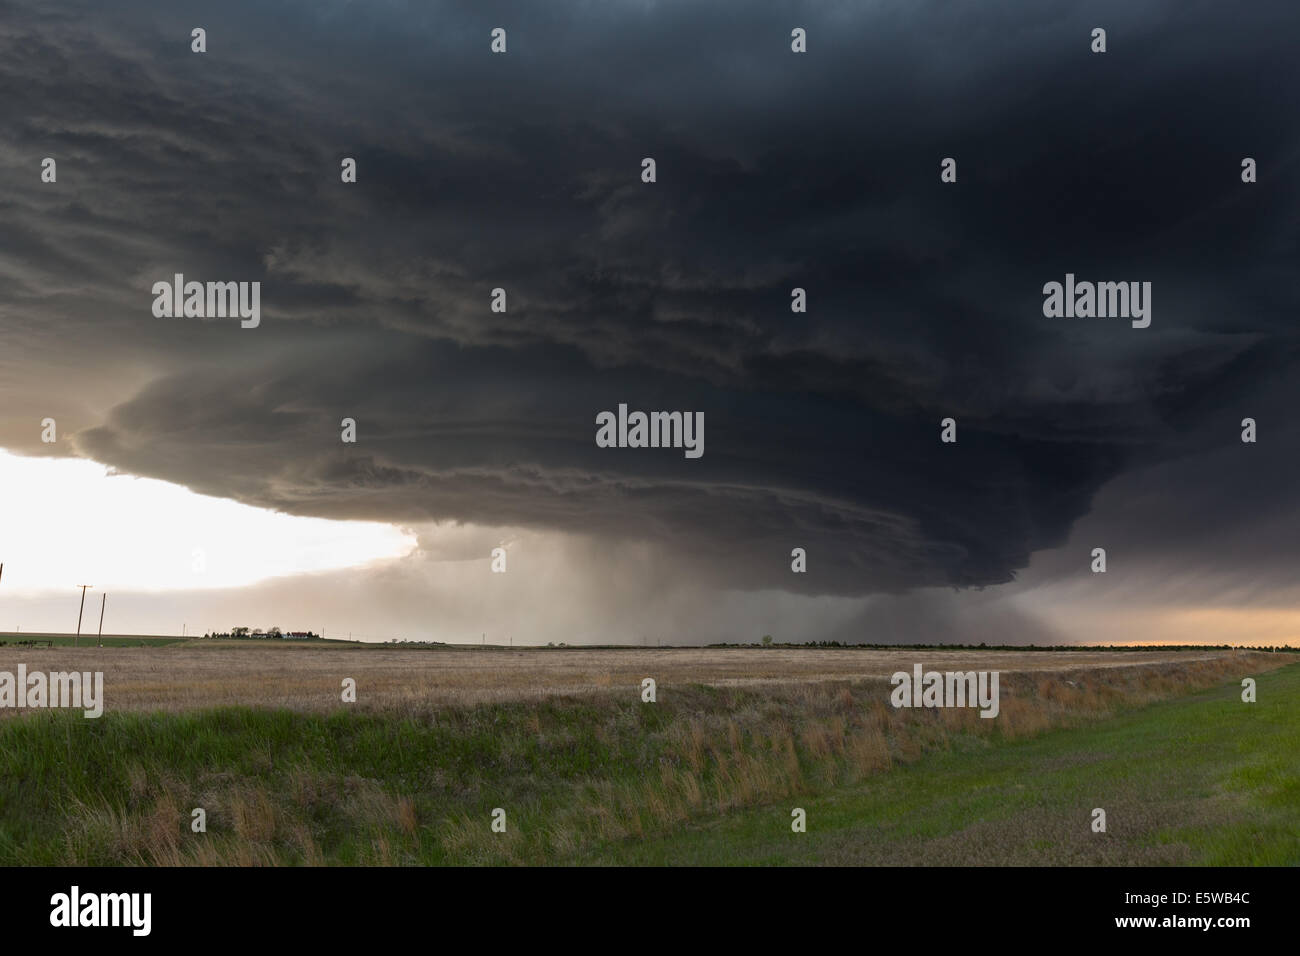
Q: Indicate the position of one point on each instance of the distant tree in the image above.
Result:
(239, 632)
(767, 640)
(274, 632)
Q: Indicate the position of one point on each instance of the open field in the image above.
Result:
(308, 677)
(708, 774)
(90, 640)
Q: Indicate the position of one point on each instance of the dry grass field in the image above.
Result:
(410, 774)
(308, 677)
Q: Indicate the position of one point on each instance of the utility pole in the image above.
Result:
(102, 601)
(83, 587)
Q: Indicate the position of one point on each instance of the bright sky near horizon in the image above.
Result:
(68, 521)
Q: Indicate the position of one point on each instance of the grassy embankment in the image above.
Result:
(1186, 772)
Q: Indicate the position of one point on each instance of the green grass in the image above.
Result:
(90, 640)
(90, 791)
(1203, 780)
(705, 776)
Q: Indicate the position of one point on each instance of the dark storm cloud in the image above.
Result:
(775, 170)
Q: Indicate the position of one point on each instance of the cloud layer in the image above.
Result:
(775, 170)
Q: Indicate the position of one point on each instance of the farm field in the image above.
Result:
(586, 773)
(308, 676)
(18, 638)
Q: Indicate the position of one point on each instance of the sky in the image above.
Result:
(198, 473)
